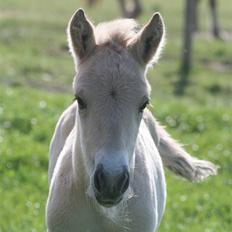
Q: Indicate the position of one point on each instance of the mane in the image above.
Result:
(117, 32)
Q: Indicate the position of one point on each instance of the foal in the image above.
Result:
(105, 167)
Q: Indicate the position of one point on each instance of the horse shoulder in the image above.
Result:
(59, 201)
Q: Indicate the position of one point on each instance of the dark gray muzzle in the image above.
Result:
(109, 186)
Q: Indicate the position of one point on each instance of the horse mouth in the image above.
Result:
(108, 203)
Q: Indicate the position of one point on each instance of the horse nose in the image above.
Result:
(124, 179)
(111, 184)
(99, 178)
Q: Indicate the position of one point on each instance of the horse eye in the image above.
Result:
(143, 106)
(81, 104)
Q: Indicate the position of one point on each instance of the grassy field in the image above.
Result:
(36, 73)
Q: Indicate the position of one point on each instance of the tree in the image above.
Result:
(186, 59)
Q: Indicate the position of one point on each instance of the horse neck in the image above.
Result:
(78, 166)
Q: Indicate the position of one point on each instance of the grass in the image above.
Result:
(35, 87)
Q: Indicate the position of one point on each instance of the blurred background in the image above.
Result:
(195, 104)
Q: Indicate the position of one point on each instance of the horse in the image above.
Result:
(108, 152)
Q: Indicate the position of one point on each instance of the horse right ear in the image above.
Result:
(148, 43)
(80, 35)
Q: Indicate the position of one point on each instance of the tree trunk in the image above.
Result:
(186, 60)
(214, 19)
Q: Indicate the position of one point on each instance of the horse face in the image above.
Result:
(111, 93)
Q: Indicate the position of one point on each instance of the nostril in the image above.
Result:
(98, 179)
(96, 182)
(125, 179)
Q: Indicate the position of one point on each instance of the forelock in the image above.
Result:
(117, 32)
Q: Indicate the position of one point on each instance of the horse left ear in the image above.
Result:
(80, 35)
(146, 47)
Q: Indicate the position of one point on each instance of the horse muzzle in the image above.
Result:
(109, 186)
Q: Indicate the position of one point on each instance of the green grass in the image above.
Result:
(35, 87)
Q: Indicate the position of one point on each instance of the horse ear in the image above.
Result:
(80, 35)
(148, 44)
